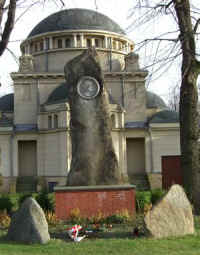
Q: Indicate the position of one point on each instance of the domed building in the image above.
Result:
(35, 144)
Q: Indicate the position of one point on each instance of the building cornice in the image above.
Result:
(140, 74)
(78, 31)
(55, 130)
(164, 126)
(48, 75)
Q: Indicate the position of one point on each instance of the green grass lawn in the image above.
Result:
(117, 241)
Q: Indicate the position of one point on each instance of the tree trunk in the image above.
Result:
(189, 118)
(8, 25)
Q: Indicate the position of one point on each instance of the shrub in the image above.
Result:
(23, 196)
(143, 198)
(75, 216)
(99, 218)
(156, 195)
(9, 202)
(51, 218)
(4, 219)
(122, 216)
(46, 200)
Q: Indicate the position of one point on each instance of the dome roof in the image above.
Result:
(154, 101)
(166, 116)
(59, 95)
(76, 19)
(7, 103)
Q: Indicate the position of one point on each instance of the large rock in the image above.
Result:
(28, 224)
(93, 157)
(172, 216)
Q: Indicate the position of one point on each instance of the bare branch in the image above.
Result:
(2, 3)
(169, 4)
(8, 26)
(196, 26)
(26, 10)
(13, 55)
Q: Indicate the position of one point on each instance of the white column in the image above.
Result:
(110, 43)
(63, 42)
(106, 42)
(50, 42)
(75, 40)
(92, 42)
(127, 47)
(44, 44)
(82, 40)
(28, 49)
(117, 45)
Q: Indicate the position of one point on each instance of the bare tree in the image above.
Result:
(180, 43)
(7, 17)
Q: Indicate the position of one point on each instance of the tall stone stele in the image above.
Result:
(93, 158)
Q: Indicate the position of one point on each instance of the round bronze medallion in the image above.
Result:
(88, 87)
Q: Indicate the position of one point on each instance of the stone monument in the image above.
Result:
(93, 158)
(95, 183)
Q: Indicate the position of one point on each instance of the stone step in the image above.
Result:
(25, 188)
(141, 181)
(26, 184)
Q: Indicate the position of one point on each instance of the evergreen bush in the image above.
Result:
(142, 198)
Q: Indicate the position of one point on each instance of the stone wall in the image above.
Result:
(165, 142)
(91, 200)
(55, 60)
(26, 102)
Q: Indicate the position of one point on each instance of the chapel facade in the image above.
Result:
(35, 144)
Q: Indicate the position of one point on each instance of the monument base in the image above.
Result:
(90, 200)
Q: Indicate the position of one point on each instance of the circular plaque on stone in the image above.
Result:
(88, 87)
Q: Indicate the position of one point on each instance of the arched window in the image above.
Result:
(114, 44)
(47, 43)
(23, 50)
(36, 47)
(49, 121)
(59, 43)
(41, 46)
(89, 43)
(55, 121)
(97, 43)
(67, 43)
(113, 121)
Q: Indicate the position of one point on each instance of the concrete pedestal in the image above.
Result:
(90, 200)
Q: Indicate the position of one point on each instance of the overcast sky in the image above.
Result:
(116, 9)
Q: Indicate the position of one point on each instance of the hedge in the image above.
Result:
(11, 202)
